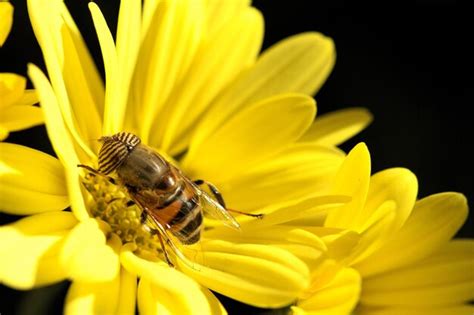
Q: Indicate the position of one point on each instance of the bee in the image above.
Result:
(172, 204)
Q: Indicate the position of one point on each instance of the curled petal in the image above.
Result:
(30, 181)
(30, 250)
(259, 275)
(94, 298)
(174, 290)
(339, 297)
(87, 256)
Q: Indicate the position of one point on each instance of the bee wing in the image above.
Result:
(169, 239)
(213, 208)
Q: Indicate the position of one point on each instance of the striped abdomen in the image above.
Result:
(182, 214)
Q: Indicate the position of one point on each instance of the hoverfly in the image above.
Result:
(171, 202)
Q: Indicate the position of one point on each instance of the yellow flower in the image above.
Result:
(186, 77)
(15, 110)
(406, 261)
(6, 20)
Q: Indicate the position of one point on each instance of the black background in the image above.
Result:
(406, 62)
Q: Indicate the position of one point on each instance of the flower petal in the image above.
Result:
(336, 127)
(434, 220)
(351, 180)
(87, 66)
(114, 108)
(30, 250)
(308, 167)
(395, 184)
(128, 45)
(93, 298)
(259, 275)
(6, 20)
(391, 197)
(12, 87)
(173, 286)
(303, 244)
(298, 64)
(15, 118)
(249, 137)
(339, 297)
(445, 278)
(218, 13)
(60, 139)
(128, 293)
(166, 53)
(30, 181)
(87, 256)
(74, 100)
(153, 299)
(218, 60)
(450, 310)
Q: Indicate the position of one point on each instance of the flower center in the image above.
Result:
(111, 204)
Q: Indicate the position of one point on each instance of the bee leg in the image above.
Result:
(96, 172)
(220, 199)
(164, 250)
(143, 218)
(217, 194)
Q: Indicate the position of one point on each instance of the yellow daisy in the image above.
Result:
(187, 78)
(406, 261)
(15, 110)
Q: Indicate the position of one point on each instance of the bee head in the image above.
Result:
(115, 149)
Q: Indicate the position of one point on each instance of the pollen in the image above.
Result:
(110, 203)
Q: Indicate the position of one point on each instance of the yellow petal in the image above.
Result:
(391, 197)
(165, 55)
(15, 118)
(450, 310)
(87, 256)
(336, 127)
(396, 184)
(93, 298)
(297, 64)
(218, 60)
(128, 41)
(434, 220)
(91, 74)
(173, 289)
(351, 180)
(445, 278)
(60, 139)
(6, 20)
(308, 167)
(128, 293)
(339, 297)
(218, 13)
(12, 87)
(114, 108)
(30, 181)
(252, 135)
(154, 299)
(303, 244)
(30, 250)
(77, 109)
(259, 275)
(29, 97)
